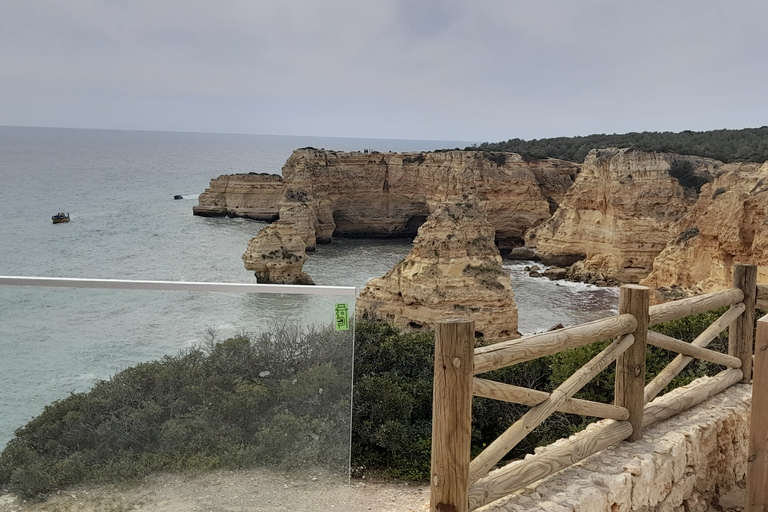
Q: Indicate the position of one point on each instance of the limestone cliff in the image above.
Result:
(619, 213)
(727, 225)
(372, 195)
(254, 196)
(454, 269)
(390, 194)
(276, 255)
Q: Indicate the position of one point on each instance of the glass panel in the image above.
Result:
(253, 380)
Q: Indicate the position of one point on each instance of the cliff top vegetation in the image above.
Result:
(745, 145)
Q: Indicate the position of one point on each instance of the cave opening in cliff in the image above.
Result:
(413, 224)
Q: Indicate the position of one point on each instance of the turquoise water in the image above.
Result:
(118, 187)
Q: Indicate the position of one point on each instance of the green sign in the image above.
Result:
(342, 317)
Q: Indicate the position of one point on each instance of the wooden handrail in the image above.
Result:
(525, 396)
(495, 451)
(506, 353)
(628, 327)
(688, 349)
(553, 458)
(672, 403)
(666, 375)
(694, 305)
(550, 460)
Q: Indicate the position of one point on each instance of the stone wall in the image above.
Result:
(678, 466)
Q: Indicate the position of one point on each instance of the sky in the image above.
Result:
(481, 70)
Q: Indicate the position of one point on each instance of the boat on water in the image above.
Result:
(178, 196)
(60, 217)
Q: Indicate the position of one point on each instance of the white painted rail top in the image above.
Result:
(124, 284)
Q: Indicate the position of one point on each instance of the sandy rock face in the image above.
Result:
(371, 195)
(727, 225)
(302, 218)
(391, 194)
(276, 255)
(453, 270)
(254, 196)
(619, 213)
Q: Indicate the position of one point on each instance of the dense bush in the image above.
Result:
(246, 400)
(682, 171)
(237, 403)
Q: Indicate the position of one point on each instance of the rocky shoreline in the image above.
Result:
(574, 273)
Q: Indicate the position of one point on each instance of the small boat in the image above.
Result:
(60, 217)
(177, 196)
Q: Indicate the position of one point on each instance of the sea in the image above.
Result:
(119, 188)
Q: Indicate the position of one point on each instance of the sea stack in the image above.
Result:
(277, 255)
(453, 270)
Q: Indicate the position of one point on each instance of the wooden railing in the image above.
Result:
(460, 485)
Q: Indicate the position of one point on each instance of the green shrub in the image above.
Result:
(237, 404)
(683, 172)
(221, 406)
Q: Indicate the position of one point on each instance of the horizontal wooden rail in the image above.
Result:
(687, 349)
(762, 304)
(525, 396)
(488, 458)
(550, 460)
(694, 305)
(506, 353)
(762, 290)
(677, 365)
(684, 398)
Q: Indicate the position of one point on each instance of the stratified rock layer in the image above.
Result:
(371, 195)
(453, 270)
(254, 196)
(276, 255)
(619, 213)
(728, 224)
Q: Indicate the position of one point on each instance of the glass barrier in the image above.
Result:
(171, 375)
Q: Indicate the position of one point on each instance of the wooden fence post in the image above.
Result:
(757, 457)
(630, 366)
(452, 415)
(741, 331)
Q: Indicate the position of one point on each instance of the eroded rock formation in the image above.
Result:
(276, 255)
(254, 196)
(727, 225)
(454, 269)
(371, 195)
(619, 214)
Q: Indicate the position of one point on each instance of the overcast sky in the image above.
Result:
(481, 70)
